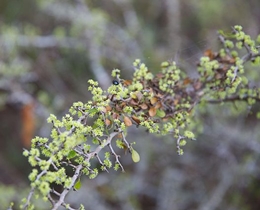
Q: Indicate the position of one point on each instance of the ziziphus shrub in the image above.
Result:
(163, 104)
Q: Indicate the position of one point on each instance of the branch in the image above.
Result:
(80, 167)
(233, 99)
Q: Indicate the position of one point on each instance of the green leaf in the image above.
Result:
(77, 185)
(93, 111)
(160, 113)
(71, 154)
(135, 156)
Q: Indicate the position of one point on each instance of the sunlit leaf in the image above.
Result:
(71, 154)
(160, 113)
(134, 96)
(93, 111)
(135, 156)
(77, 185)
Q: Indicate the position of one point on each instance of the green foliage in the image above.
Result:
(163, 104)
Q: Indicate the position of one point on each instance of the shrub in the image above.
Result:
(84, 140)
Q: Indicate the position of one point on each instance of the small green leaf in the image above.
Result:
(135, 156)
(160, 113)
(77, 185)
(93, 111)
(71, 154)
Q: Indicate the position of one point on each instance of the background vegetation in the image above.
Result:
(51, 48)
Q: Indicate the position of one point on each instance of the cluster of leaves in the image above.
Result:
(90, 137)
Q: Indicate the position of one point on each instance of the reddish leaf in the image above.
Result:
(127, 82)
(187, 81)
(209, 54)
(28, 124)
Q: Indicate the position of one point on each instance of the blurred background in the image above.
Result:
(49, 49)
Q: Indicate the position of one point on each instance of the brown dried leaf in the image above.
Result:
(152, 111)
(186, 81)
(159, 95)
(133, 102)
(120, 136)
(107, 122)
(165, 119)
(139, 95)
(153, 100)
(232, 60)
(136, 119)
(127, 82)
(218, 76)
(115, 116)
(108, 108)
(151, 91)
(28, 125)
(118, 108)
(159, 75)
(158, 105)
(144, 106)
(123, 104)
(103, 109)
(127, 121)
(209, 54)
(197, 85)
